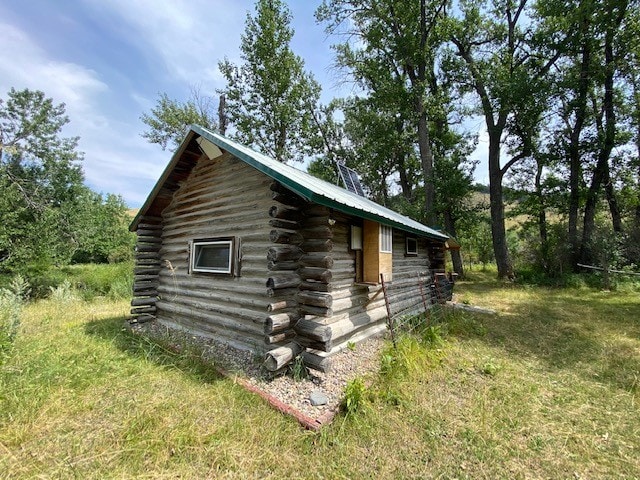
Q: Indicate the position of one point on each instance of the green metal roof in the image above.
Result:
(317, 190)
(307, 186)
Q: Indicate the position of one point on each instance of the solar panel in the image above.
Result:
(350, 179)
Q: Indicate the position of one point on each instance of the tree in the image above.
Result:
(500, 65)
(390, 52)
(39, 174)
(170, 119)
(269, 96)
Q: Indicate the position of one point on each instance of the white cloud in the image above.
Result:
(189, 37)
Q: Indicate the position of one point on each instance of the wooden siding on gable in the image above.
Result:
(222, 197)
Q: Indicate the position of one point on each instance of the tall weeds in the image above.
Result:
(11, 302)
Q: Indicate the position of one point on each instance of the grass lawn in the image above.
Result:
(548, 388)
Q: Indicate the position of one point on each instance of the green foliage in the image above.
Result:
(101, 229)
(298, 369)
(355, 396)
(114, 281)
(11, 302)
(270, 98)
(170, 119)
(40, 176)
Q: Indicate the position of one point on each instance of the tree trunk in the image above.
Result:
(498, 231)
(426, 160)
(601, 172)
(575, 167)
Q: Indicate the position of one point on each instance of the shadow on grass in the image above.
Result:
(168, 355)
(594, 334)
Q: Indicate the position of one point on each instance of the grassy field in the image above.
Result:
(548, 388)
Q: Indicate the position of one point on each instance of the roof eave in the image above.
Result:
(161, 181)
(312, 196)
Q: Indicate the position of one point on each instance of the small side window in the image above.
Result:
(412, 246)
(386, 239)
(212, 256)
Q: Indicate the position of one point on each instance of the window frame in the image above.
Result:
(194, 249)
(408, 252)
(386, 239)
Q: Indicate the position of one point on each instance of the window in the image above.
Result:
(356, 237)
(212, 256)
(386, 239)
(412, 246)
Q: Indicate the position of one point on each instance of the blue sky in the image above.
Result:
(108, 60)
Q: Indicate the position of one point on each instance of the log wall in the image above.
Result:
(222, 197)
(146, 270)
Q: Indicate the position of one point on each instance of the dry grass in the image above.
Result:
(546, 389)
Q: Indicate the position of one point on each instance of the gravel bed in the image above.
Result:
(361, 360)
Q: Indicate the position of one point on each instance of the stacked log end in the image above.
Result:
(299, 281)
(283, 280)
(146, 270)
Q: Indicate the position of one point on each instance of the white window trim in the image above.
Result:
(386, 239)
(194, 249)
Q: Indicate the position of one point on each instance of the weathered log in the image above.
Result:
(145, 285)
(314, 344)
(139, 302)
(286, 224)
(314, 245)
(313, 330)
(148, 248)
(277, 236)
(150, 226)
(317, 222)
(314, 273)
(315, 210)
(282, 292)
(147, 255)
(154, 262)
(316, 311)
(316, 299)
(146, 270)
(145, 293)
(285, 252)
(281, 305)
(288, 199)
(317, 362)
(278, 187)
(151, 219)
(281, 321)
(279, 357)
(148, 233)
(283, 281)
(279, 337)
(318, 232)
(316, 286)
(143, 318)
(283, 265)
(148, 239)
(144, 278)
(137, 310)
(316, 260)
(285, 213)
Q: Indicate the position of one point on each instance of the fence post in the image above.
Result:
(386, 303)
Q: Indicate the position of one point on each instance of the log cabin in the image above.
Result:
(262, 256)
